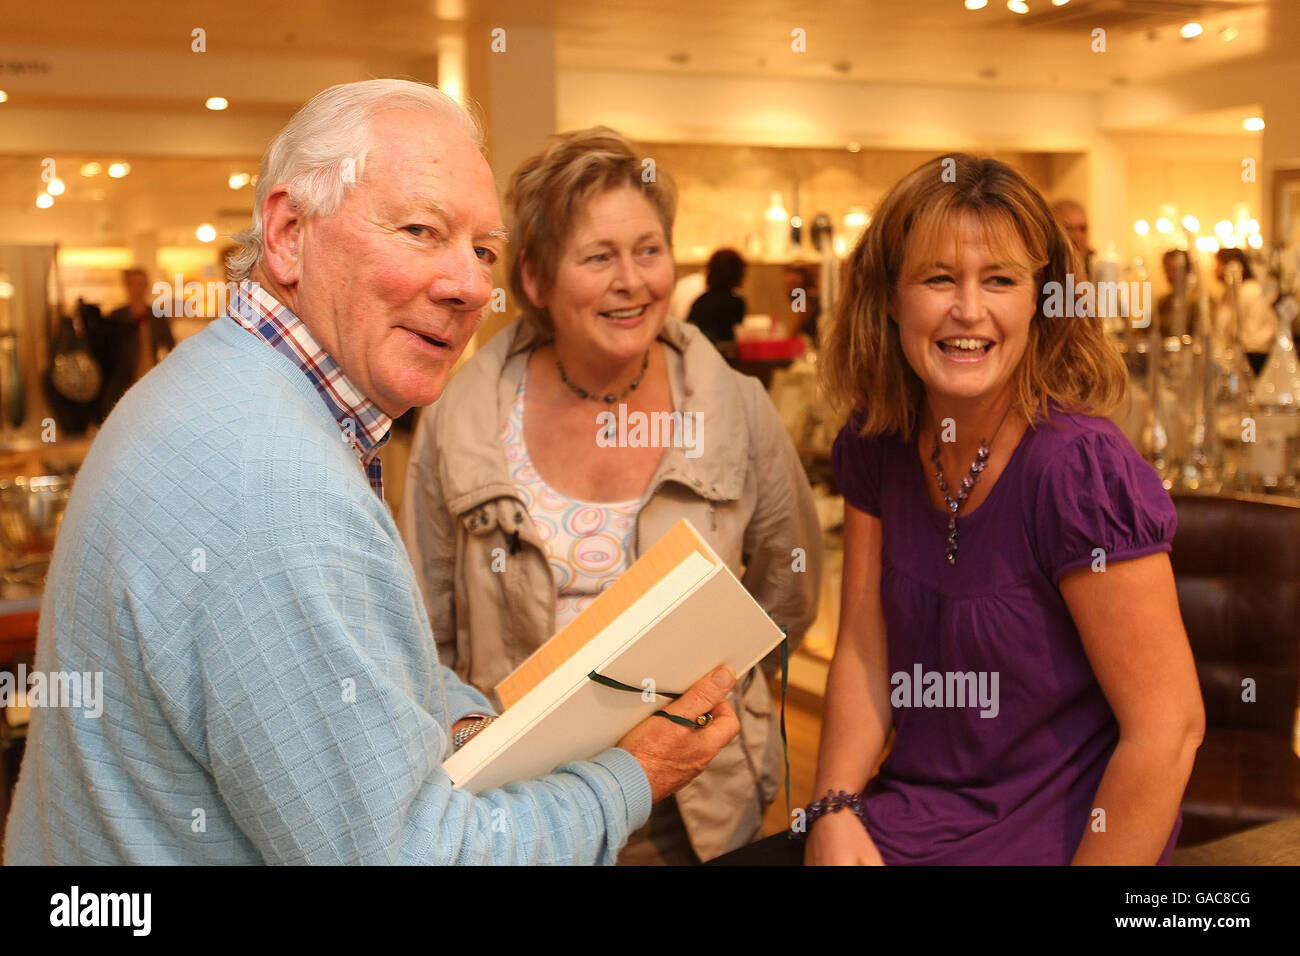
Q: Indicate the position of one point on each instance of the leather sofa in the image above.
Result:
(1236, 561)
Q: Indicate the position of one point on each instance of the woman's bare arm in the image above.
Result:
(857, 717)
(1133, 634)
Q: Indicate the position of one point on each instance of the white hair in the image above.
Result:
(323, 149)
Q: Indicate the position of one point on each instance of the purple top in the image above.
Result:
(1015, 786)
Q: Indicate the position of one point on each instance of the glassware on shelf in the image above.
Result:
(1273, 458)
(1199, 463)
(1166, 370)
(1233, 388)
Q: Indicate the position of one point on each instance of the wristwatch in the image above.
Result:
(469, 730)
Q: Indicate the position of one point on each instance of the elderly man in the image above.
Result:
(227, 561)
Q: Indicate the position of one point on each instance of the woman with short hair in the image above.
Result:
(532, 485)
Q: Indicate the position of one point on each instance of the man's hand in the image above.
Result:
(671, 755)
(840, 839)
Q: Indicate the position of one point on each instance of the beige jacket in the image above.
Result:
(746, 494)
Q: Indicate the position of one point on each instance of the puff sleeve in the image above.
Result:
(858, 462)
(1098, 492)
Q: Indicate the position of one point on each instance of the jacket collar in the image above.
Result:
(471, 463)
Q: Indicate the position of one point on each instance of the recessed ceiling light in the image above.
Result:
(1164, 226)
(1228, 34)
(1223, 228)
(1190, 31)
(1253, 124)
(216, 103)
(1191, 223)
(238, 180)
(206, 232)
(1142, 227)
(55, 187)
(976, 4)
(3, 96)
(1017, 6)
(1059, 3)
(44, 200)
(91, 169)
(1255, 241)
(118, 170)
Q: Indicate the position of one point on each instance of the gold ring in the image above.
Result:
(704, 720)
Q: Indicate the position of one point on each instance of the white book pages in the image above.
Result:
(695, 618)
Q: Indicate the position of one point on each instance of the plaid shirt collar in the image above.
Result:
(363, 425)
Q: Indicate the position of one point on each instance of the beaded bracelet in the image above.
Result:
(831, 803)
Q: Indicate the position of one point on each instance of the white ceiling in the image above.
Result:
(920, 42)
(929, 42)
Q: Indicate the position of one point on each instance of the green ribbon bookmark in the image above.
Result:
(785, 742)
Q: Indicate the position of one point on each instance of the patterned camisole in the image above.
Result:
(588, 543)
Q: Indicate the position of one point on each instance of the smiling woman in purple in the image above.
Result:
(1008, 607)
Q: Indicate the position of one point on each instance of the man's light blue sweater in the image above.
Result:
(271, 690)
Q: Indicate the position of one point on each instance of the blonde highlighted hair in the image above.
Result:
(1067, 360)
(549, 191)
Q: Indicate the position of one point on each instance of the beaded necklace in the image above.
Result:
(967, 483)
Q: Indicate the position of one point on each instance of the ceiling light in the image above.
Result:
(1059, 3)
(1252, 226)
(1191, 224)
(55, 187)
(1017, 6)
(3, 96)
(1142, 227)
(1164, 226)
(1190, 31)
(1252, 124)
(91, 169)
(976, 4)
(216, 103)
(855, 147)
(118, 170)
(1207, 244)
(206, 232)
(45, 200)
(238, 180)
(1223, 229)
(1255, 241)
(1228, 34)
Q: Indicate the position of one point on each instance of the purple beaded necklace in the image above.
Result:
(967, 483)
